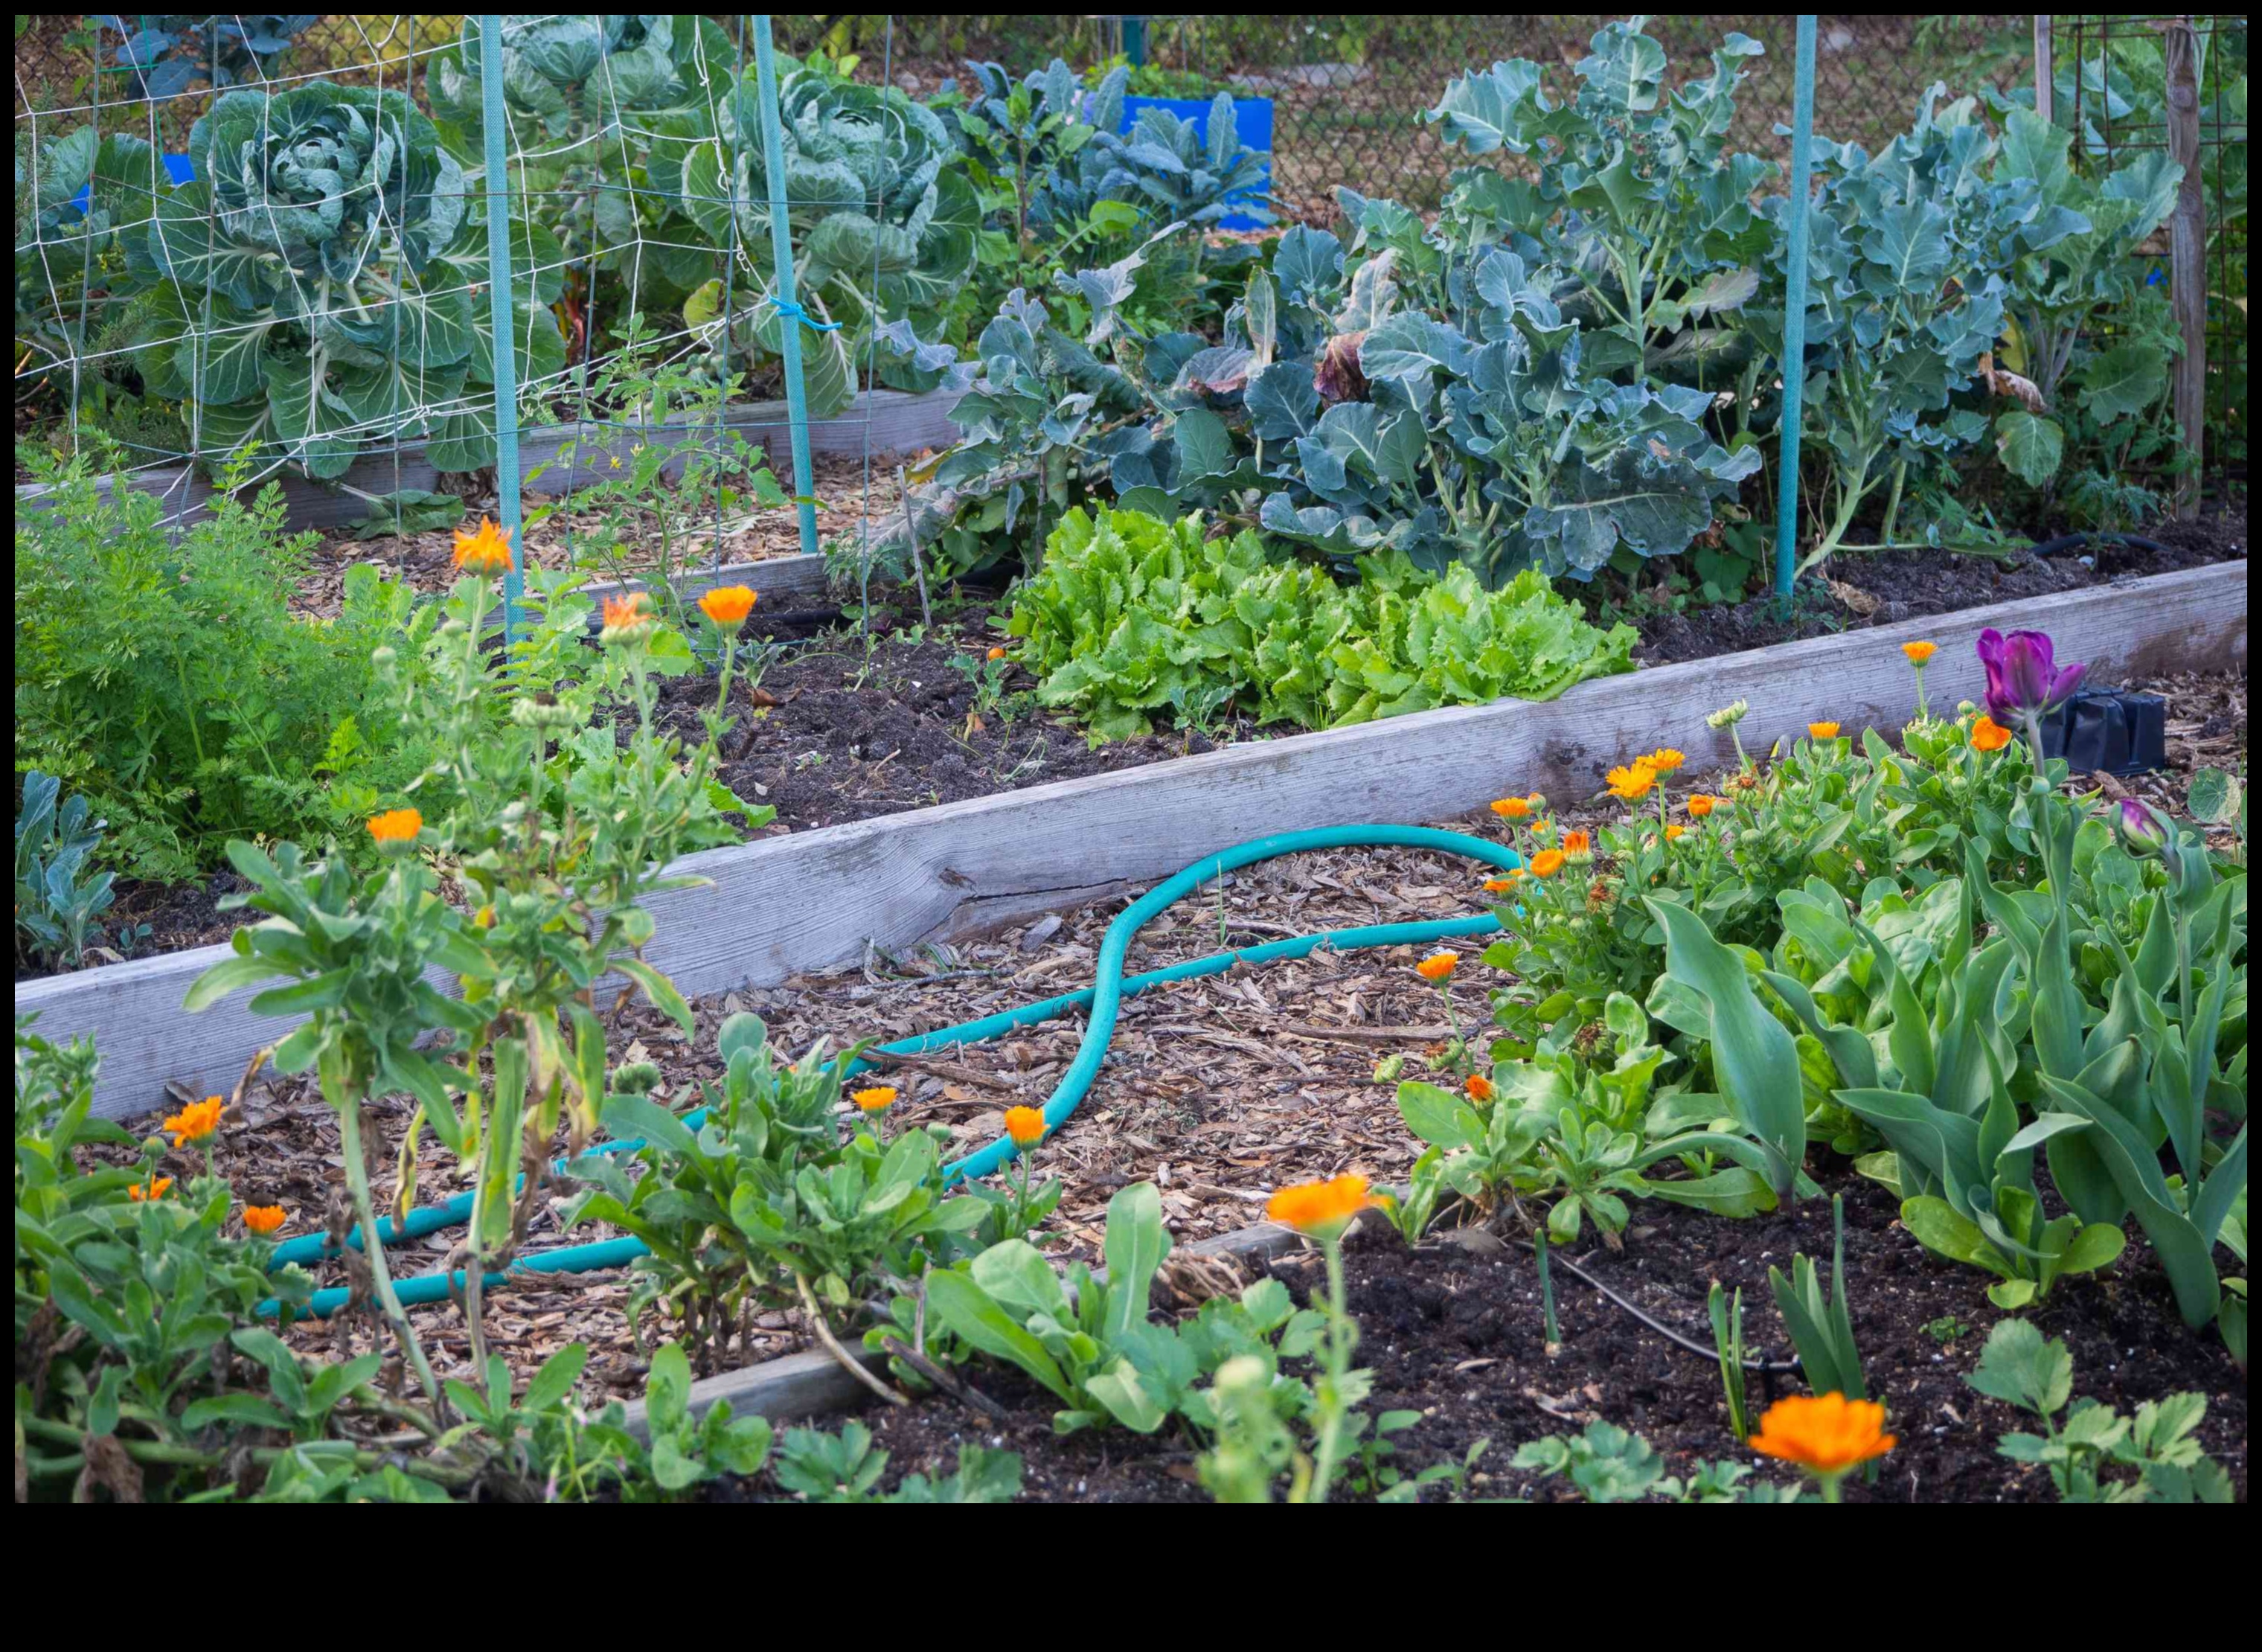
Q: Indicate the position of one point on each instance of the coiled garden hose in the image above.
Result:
(1102, 999)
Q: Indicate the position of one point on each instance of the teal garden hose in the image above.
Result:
(1102, 999)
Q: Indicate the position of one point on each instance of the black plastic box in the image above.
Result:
(2108, 730)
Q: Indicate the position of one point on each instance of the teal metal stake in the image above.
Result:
(1794, 317)
(789, 314)
(499, 311)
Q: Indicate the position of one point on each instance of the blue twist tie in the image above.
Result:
(787, 306)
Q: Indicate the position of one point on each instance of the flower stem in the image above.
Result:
(373, 1248)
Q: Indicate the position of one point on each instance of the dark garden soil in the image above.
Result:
(834, 733)
(1851, 592)
(1454, 1329)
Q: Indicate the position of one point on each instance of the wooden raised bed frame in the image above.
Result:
(810, 901)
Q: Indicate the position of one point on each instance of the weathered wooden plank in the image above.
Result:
(810, 901)
(884, 422)
(813, 1384)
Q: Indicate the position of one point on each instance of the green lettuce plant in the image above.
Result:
(1130, 616)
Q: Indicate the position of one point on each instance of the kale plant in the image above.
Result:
(169, 54)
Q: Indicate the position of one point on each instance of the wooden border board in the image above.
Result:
(897, 422)
(808, 901)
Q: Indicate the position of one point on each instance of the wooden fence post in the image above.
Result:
(2045, 68)
(2188, 256)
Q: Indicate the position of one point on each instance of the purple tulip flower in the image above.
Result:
(2141, 829)
(2024, 681)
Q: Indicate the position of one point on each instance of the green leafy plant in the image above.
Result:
(1636, 198)
(311, 291)
(757, 1199)
(884, 232)
(821, 1468)
(685, 1453)
(1727, 1316)
(2160, 1442)
(1910, 255)
(60, 912)
(1130, 614)
(168, 682)
(1821, 1328)
(1610, 1464)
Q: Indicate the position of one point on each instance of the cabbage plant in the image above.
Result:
(883, 217)
(313, 290)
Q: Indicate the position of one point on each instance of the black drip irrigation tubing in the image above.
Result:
(2066, 542)
(1765, 1367)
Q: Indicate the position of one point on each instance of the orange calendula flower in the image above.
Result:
(1547, 862)
(1631, 782)
(1700, 806)
(998, 653)
(1024, 1127)
(141, 1192)
(483, 553)
(626, 617)
(1988, 735)
(1827, 1433)
(726, 604)
(264, 1219)
(1822, 731)
(1674, 830)
(1502, 885)
(1578, 846)
(878, 1099)
(1511, 808)
(1479, 1087)
(197, 1122)
(396, 825)
(1438, 966)
(1319, 1209)
(1917, 652)
(1662, 761)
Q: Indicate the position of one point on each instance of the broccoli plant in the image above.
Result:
(1635, 199)
(2080, 377)
(312, 292)
(1911, 254)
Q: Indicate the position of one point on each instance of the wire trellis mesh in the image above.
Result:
(84, 289)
